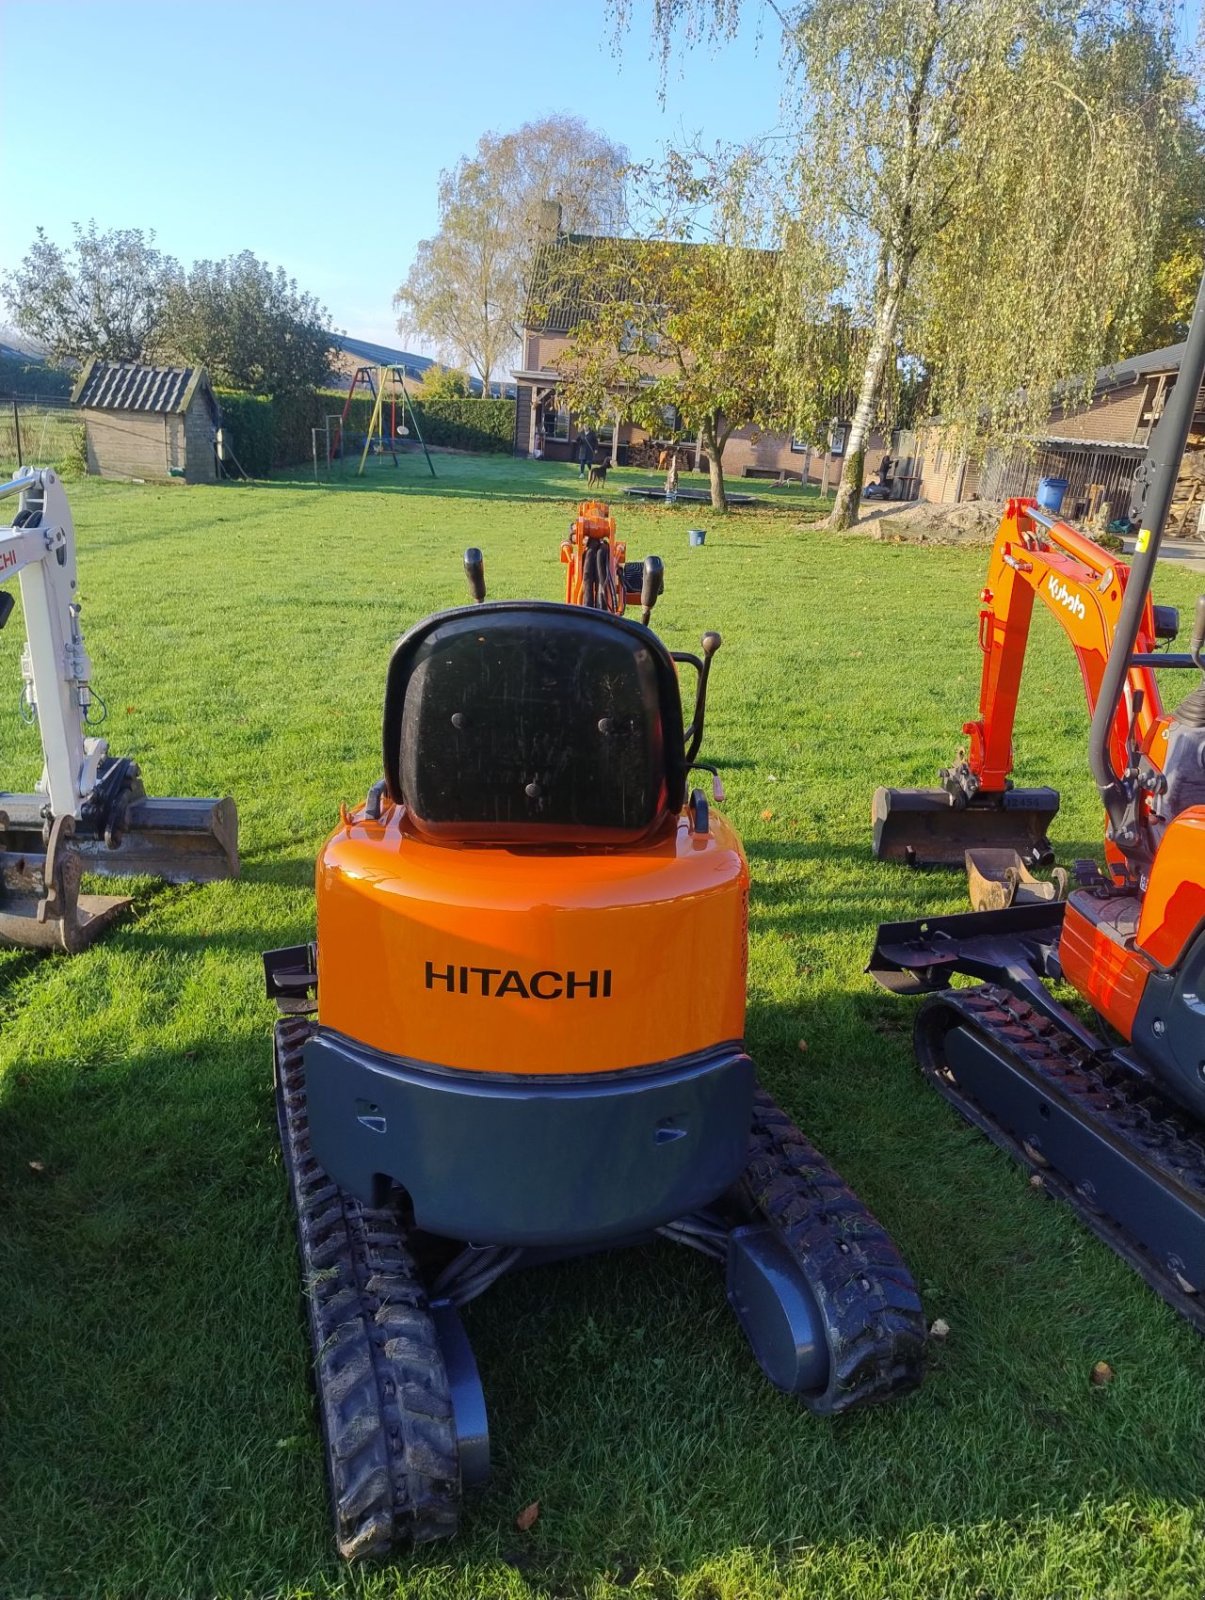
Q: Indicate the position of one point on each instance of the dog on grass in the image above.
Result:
(597, 474)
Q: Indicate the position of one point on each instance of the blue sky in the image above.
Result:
(314, 134)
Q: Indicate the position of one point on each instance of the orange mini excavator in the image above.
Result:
(519, 1039)
(598, 574)
(1112, 1119)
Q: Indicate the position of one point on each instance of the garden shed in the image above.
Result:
(148, 422)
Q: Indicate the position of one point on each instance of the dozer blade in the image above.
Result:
(924, 827)
(41, 907)
(998, 879)
(180, 841)
(1016, 947)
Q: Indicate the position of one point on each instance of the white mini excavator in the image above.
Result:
(90, 811)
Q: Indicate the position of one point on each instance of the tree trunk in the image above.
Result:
(849, 493)
(715, 467)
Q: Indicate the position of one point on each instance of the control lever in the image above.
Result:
(711, 642)
(474, 571)
(1197, 643)
(652, 586)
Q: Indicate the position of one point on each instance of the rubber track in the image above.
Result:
(386, 1414)
(1103, 1093)
(867, 1300)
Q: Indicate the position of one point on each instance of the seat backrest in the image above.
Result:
(527, 721)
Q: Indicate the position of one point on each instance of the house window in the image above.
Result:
(836, 439)
(799, 447)
(670, 425)
(636, 337)
(556, 423)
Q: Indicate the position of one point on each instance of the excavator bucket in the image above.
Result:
(998, 879)
(180, 841)
(926, 828)
(41, 907)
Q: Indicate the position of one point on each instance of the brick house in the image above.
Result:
(148, 422)
(544, 426)
(1096, 446)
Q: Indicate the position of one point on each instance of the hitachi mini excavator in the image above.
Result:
(1111, 1119)
(519, 1039)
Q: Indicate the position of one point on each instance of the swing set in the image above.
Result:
(386, 385)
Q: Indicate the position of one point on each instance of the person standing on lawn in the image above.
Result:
(587, 443)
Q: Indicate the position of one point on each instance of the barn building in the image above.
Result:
(148, 422)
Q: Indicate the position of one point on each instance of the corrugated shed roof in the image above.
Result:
(128, 386)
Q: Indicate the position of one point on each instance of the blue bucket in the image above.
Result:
(1051, 492)
(697, 535)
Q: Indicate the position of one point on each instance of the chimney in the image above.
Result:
(550, 219)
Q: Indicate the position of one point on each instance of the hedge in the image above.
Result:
(277, 433)
(29, 378)
(484, 425)
(250, 424)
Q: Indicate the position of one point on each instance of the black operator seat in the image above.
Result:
(533, 722)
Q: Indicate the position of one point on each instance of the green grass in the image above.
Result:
(49, 436)
(158, 1434)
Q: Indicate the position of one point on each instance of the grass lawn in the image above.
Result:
(158, 1433)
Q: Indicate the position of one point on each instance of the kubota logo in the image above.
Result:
(545, 985)
(1067, 597)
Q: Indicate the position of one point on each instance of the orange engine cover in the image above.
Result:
(1173, 907)
(1099, 959)
(522, 960)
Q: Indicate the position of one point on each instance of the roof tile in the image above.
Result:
(127, 386)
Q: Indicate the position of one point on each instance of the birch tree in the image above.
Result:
(464, 294)
(988, 177)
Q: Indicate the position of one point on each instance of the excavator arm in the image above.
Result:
(1036, 557)
(90, 810)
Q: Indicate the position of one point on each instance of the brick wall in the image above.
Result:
(197, 427)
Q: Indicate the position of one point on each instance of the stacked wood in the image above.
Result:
(1186, 519)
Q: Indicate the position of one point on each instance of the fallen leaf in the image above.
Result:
(130, 710)
(767, 816)
(1102, 1373)
(940, 1329)
(37, 1166)
(803, 1047)
(528, 1516)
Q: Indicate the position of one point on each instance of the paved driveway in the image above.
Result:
(1188, 552)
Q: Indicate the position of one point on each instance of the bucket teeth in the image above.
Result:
(925, 828)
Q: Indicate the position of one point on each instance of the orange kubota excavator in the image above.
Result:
(1111, 1119)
